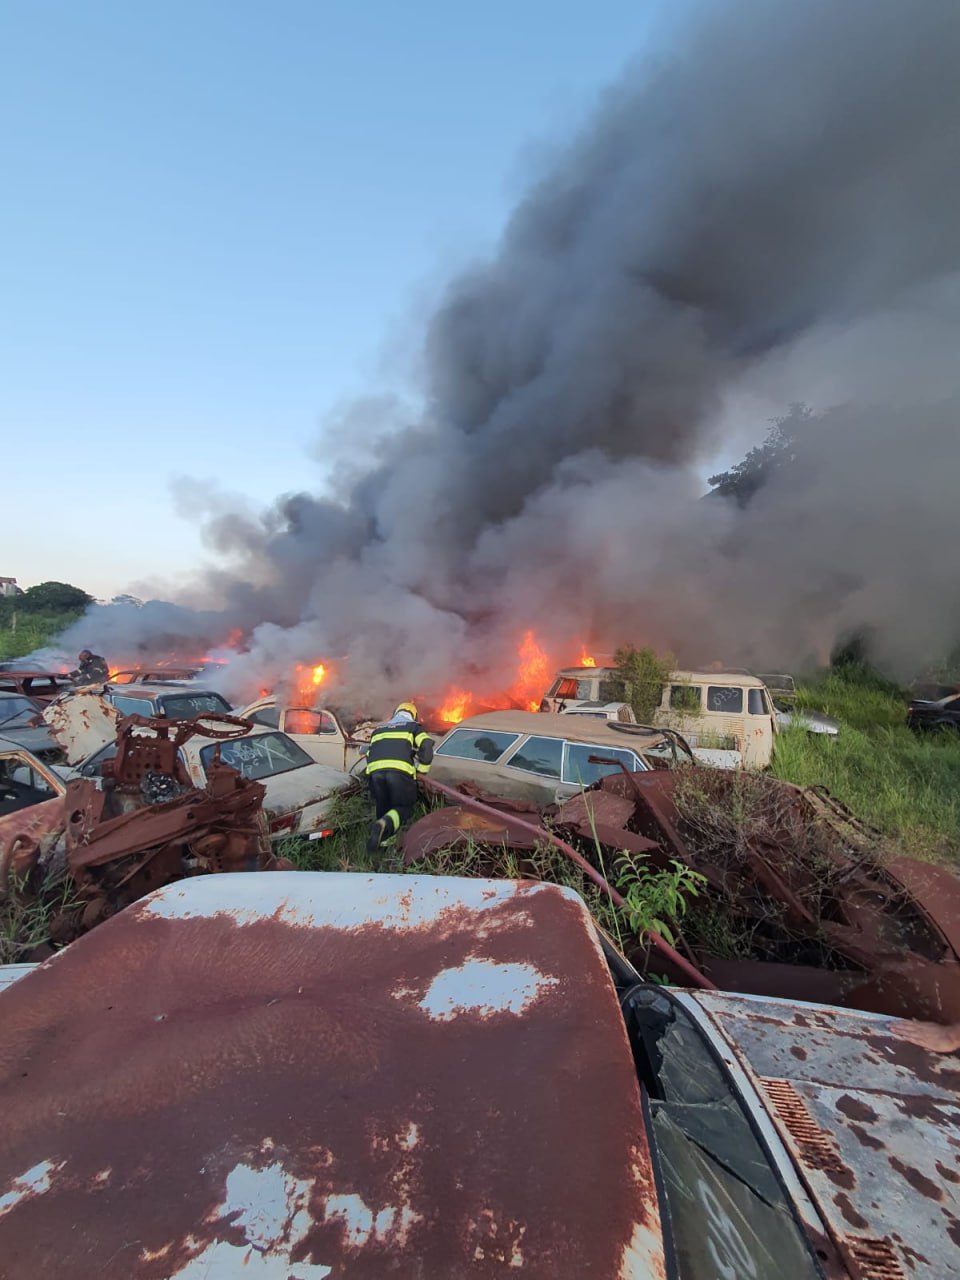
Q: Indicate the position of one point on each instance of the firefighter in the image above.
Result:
(399, 751)
(92, 668)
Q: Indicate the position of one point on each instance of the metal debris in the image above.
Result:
(145, 826)
(810, 905)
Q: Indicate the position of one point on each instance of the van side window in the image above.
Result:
(685, 697)
(725, 698)
(566, 688)
(755, 702)
(539, 755)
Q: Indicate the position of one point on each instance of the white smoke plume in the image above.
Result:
(766, 212)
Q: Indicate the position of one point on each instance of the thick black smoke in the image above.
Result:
(765, 212)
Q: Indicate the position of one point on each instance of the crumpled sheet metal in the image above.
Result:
(453, 827)
(326, 1075)
(895, 927)
(117, 845)
(25, 835)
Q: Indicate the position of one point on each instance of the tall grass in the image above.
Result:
(32, 631)
(905, 784)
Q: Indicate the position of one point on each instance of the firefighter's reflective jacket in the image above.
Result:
(405, 747)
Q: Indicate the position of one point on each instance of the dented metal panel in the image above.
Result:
(870, 1120)
(325, 1075)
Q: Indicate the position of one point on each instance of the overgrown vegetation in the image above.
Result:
(901, 782)
(33, 618)
(641, 675)
(657, 900)
(27, 913)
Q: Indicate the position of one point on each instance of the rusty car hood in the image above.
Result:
(869, 1119)
(307, 1075)
(81, 723)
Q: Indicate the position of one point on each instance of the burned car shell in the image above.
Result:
(25, 779)
(42, 686)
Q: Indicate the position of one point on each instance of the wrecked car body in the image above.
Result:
(799, 898)
(727, 717)
(142, 824)
(298, 791)
(42, 686)
(25, 779)
(528, 755)
(318, 730)
(432, 1068)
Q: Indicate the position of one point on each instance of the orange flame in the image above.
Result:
(534, 673)
(319, 674)
(456, 707)
(586, 660)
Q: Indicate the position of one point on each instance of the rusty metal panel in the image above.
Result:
(870, 1120)
(325, 1075)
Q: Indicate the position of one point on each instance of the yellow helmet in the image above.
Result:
(408, 707)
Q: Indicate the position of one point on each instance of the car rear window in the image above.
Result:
(578, 769)
(180, 706)
(725, 698)
(476, 744)
(262, 755)
(539, 755)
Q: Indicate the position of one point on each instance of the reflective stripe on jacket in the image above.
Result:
(404, 747)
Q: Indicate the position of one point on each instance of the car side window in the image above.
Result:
(539, 755)
(267, 716)
(301, 720)
(476, 744)
(578, 769)
(685, 697)
(725, 698)
(756, 702)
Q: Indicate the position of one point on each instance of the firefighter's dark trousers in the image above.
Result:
(394, 795)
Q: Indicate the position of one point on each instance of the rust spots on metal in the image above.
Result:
(856, 1109)
(844, 1204)
(919, 1181)
(798, 1052)
(172, 1070)
(951, 1175)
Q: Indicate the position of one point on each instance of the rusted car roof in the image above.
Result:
(870, 1120)
(314, 1075)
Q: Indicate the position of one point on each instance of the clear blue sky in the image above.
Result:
(215, 216)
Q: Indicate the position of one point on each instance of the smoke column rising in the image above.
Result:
(769, 208)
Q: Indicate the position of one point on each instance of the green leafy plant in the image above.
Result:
(656, 901)
(642, 673)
